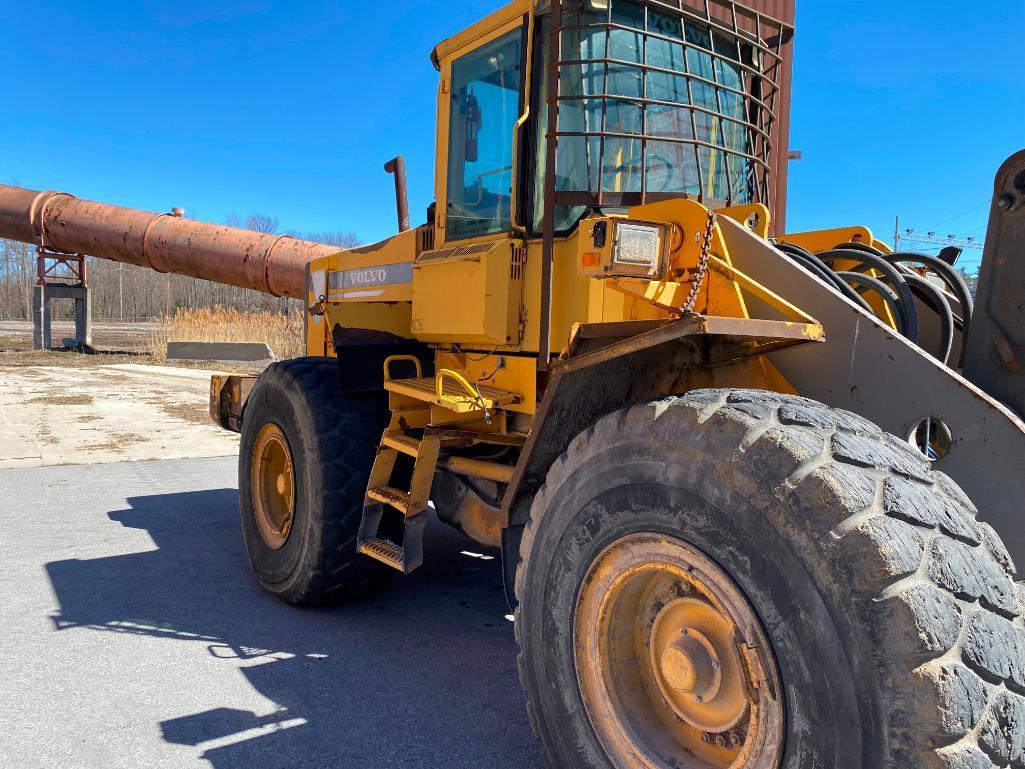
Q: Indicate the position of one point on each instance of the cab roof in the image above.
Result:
(489, 23)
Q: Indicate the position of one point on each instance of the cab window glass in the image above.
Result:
(485, 107)
(652, 95)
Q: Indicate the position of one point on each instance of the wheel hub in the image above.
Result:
(691, 666)
(697, 666)
(273, 486)
(670, 661)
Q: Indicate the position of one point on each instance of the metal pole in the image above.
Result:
(397, 166)
(544, 351)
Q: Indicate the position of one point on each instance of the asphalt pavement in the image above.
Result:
(132, 634)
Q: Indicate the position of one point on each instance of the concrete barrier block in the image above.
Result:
(244, 352)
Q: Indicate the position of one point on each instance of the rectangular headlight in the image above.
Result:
(637, 245)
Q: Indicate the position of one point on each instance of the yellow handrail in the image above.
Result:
(461, 380)
(406, 358)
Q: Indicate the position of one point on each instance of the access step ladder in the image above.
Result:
(413, 401)
(411, 505)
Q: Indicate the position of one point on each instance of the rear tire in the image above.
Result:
(308, 556)
(891, 612)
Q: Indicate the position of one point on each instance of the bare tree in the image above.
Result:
(261, 223)
(340, 239)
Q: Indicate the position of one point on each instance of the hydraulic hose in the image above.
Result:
(952, 279)
(874, 284)
(866, 260)
(813, 264)
(933, 296)
(897, 284)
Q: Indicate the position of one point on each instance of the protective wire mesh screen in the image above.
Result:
(662, 99)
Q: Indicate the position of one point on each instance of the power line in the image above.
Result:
(903, 238)
(971, 210)
(931, 238)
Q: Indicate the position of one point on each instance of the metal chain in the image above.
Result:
(699, 278)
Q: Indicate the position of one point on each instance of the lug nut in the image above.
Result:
(721, 741)
(681, 588)
(736, 739)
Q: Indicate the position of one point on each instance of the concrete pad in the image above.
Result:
(134, 635)
(58, 415)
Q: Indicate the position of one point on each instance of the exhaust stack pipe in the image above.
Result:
(397, 166)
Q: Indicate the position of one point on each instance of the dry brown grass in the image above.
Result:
(62, 400)
(283, 333)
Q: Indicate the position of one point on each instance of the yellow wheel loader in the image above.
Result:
(758, 494)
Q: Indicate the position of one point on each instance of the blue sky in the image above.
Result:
(292, 109)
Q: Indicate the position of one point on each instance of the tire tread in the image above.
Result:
(907, 535)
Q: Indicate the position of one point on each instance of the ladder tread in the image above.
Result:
(389, 495)
(385, 551)
(399, 441)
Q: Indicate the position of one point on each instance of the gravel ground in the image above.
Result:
(134, 635)
(76, 413)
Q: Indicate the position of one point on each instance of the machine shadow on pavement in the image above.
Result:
(423, 674)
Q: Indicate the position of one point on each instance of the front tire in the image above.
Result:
(890, 615)
(304, 462)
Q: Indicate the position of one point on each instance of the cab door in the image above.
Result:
(482, 92)
(468, 289)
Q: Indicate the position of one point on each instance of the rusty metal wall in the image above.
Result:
(784, 10)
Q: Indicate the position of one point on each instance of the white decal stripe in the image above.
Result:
(356, 294)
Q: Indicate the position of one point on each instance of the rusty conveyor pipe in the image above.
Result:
(273, 264)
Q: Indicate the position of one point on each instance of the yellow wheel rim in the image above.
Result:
(273, 486)
(672, 661)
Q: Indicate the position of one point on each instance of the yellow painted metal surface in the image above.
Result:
(468, 295)
(513, 374)
(477, 300)
(823, 240)
(483, 30)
